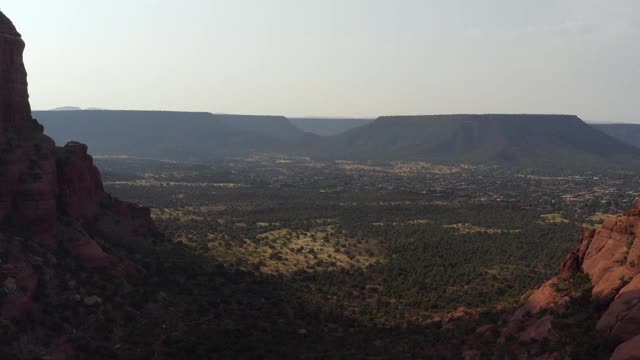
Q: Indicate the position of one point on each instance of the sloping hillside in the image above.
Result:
(277, 127)
(627, 133)
(328, 126)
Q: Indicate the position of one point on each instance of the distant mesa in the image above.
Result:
(74, 108)
(519, 140)
(168, 135)
(547, 141)
(66, 108)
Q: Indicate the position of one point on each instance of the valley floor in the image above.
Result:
(364, 253)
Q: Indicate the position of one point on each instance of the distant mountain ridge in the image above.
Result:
(162, 134)
(550, 141)
(66, 108)
(74, 108)
(525, 140)
(277, 126)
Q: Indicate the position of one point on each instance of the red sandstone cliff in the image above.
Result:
(51, 201)
(609, 259)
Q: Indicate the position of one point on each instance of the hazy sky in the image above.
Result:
(335, 57)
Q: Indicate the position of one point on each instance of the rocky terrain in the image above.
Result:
(597, 295)
(54, 216)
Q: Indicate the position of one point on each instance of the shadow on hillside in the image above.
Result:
(209, 311)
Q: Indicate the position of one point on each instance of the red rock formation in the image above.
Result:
(80, 186)
(54, 199)
(15, 110)
(542, 329)
(21, 283)
(27, 156)
(83, 247)
(39, 182)
(571, 264)
(610, 256)
(622, 318)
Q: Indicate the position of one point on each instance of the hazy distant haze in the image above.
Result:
(347, 58)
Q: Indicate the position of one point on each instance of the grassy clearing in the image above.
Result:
(404, 168)
(409, 222)
(599, 218)
(553, 219)
(414, 168)
(284, 251)
(186, 213)
(175, 214)
(596, 220)
(153, 182)
(470, 229)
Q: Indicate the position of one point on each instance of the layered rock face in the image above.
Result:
(27, 156)
(52, 203)
(14, 100)
(610, 257)
(80, 189)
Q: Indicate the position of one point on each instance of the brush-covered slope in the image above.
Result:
(528, 140)
(163, 134)
(627, 133)
(328, 126)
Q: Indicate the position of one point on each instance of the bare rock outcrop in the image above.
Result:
(52, 203)
(622, 318)
(27, 156)
(609, 258)
(80, 185)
